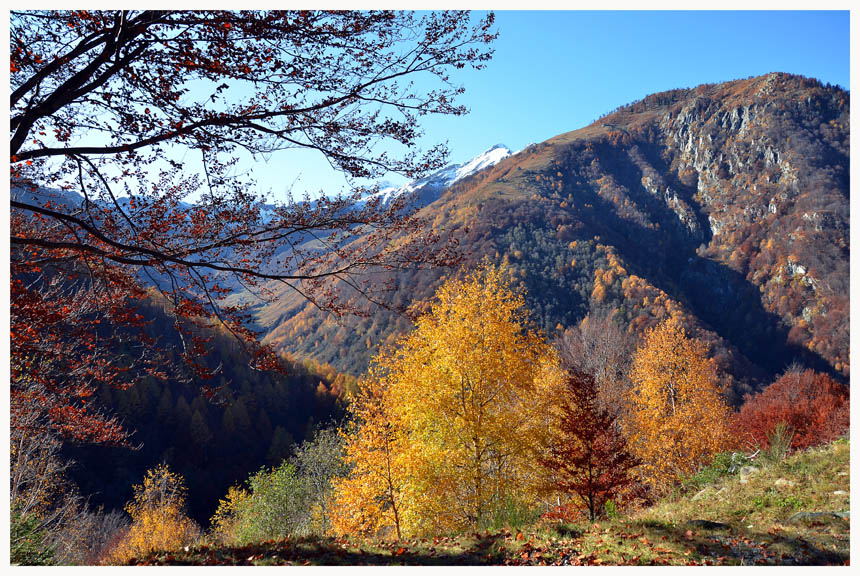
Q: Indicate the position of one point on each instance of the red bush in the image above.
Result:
(563, 513)
(813, 405)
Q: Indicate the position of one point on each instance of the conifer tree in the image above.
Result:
(588, 456)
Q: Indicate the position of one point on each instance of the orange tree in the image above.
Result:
(126, 131)
(678, 417)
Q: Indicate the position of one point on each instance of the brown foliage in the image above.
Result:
(812, 405)
(102, 108)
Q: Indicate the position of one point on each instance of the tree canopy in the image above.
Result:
(127, 128)
(447, 423)
(678, 416)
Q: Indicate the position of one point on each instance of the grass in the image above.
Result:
(785, 513)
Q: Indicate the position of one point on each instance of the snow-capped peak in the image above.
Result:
(489, 158)
(430, 187)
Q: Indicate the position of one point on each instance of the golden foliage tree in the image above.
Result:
(678, 418)
(370, 498)
(228, 515)
(462, 403)
(158, 516)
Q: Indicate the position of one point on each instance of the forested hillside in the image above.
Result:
(726, 203)
(253, 419)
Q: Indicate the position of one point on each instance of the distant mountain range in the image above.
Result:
(726, 204)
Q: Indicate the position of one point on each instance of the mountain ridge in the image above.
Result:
(724, 203)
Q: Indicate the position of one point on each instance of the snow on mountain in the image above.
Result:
(489, 158)
(430, 187)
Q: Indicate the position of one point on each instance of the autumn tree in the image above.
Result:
(42, 504)
(127, 130)
(463, 405)
(158, 517)
(225, 525)
(50, 523)
(678, 417)
(813, 406)
(600, 347)
(588, 455)
(371, 497)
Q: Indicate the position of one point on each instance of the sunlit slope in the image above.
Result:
(725, 204)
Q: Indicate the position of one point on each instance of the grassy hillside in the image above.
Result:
(789, 512)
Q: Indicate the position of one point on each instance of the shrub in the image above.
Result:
(812, 406)
(158, 517)
(28, 541)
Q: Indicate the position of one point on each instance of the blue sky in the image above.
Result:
(556, 71)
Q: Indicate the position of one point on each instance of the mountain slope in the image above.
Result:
(725, 204)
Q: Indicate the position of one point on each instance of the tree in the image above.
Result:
(372, 496)
(277, 505)
(227, 522)
(678, 418)
(107, 109)
(49, 520)
(320, 463)
(600, 347)
(588, 455)
(460, 405)
(471, 383)
(158, 517)
(813, 406)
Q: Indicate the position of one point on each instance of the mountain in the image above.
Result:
(428, 189)
(726, 204)
(254, 420)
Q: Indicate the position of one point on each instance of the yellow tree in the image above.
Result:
(370, 498)
(678, 417)
(158, 516)
(229, 515)
(467, 400)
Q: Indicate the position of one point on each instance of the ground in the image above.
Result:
(795, 512)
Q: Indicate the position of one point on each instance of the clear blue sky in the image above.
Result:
(556, 71)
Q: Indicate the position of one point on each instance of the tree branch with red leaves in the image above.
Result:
(105, 107)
